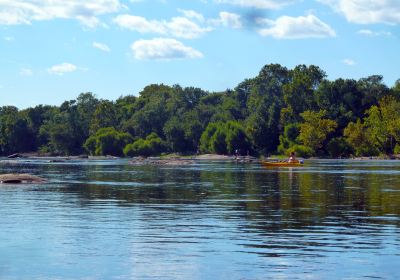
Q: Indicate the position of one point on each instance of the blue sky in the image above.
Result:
(52, 50)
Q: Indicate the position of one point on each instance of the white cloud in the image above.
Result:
(228, 20)
(90, 22)
(25, 11)
(258, 4)
(184, 28)
(192, 14)
(61, 69)
(163, 49)
(367, 11)
(349, 62)
(180, 27)
(26, 72)
(370, 33)
(301, 27)
(100, 46)
(140, 24)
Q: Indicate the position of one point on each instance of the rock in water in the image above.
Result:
(20, 179)
(14, 156)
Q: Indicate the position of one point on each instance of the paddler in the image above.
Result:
(292, 158)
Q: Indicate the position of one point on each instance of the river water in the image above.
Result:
(212, 220)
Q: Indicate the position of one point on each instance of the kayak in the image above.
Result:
(281, 164)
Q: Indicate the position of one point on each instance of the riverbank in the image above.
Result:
(166, 158)
(174, 159)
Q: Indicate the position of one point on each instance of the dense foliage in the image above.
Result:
(279, 111)
(107, 141)
(152, 145)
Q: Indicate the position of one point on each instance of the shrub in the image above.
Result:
(288, 139)
(397, 149)
(152, 145)
(222, 138)
(107, 141)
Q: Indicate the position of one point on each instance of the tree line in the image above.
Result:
(279, 111)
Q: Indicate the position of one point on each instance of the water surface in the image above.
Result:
(212, 220)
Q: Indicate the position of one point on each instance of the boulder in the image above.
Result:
(20, 179)
(16, 155)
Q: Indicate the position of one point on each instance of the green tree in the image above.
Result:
(373, 90)
(315, 129)
(59, 134)
(175, 135)
(359, 137)
(339, 147)
(151, 145)
(383, 122)
(151, 112)
(396, 88)
(264, 105)
(237, 138)
(218, 141)
(36, 117)
(205, 140)
(125, 107)
(289, 138)
(107, 141)
(15, 133)
(65, 132)
(182, 100)
(342, 101)
(105, 115)
(85, 109)
(222, 138)
(299, 93)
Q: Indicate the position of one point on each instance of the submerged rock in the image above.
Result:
(20, 179)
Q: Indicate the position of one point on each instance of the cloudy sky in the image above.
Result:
(52, 50)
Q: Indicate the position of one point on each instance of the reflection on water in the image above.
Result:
(110, 220)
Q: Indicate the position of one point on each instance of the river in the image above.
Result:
(331, 219)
